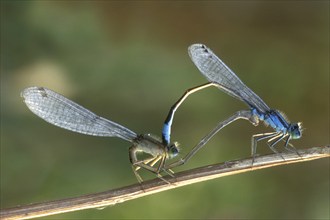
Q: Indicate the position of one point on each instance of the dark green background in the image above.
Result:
(128, 62)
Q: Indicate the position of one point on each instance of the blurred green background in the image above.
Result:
(128, 62)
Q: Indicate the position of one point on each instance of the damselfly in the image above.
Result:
(220, 76)
(62, 112)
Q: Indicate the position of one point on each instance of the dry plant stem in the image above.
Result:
(112, 197)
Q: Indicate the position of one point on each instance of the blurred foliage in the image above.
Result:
(128, 62)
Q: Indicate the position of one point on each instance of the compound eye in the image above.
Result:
(173, 150)
(296, 131)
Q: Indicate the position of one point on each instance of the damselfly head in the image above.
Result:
(295, 130)
(173, 150)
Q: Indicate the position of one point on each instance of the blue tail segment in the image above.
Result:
(166, 132)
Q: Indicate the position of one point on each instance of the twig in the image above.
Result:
(112, 197)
